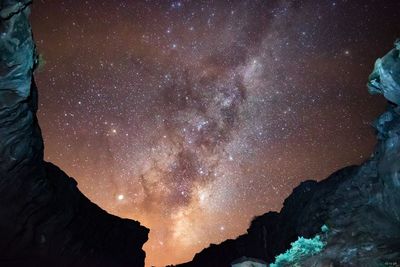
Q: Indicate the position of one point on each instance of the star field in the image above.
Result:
(195, 116)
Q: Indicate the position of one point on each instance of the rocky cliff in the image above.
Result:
(44, 219)
(360, 205)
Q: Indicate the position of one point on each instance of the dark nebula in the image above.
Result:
(194, 116)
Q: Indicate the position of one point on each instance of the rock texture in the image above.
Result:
(44, 219)
(359, 204)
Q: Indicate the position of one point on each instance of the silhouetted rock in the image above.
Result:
(303, 214)
(44, 219)
(359, 204)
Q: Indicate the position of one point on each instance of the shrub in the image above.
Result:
(301, 249)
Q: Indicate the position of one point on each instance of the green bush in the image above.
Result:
(301, 249)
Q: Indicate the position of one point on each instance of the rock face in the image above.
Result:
(44, 219)
(359, 204)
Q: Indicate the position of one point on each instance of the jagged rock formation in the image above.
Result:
(44, 219)
(359, 204)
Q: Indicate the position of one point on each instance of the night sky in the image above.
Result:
(195, 116)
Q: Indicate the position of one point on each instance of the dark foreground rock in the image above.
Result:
(44, 219)
(359, 204)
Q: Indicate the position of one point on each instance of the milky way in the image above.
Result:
(193, 117)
